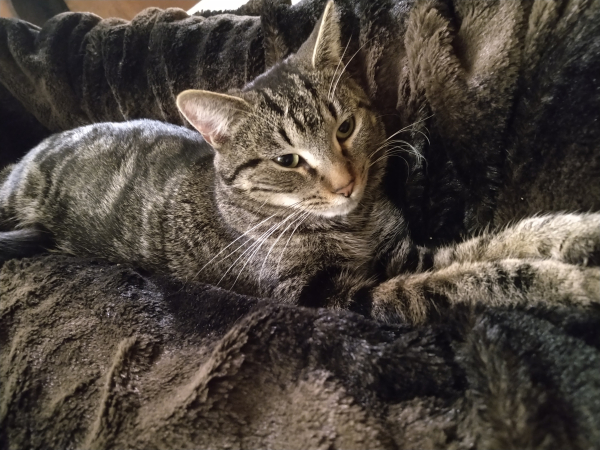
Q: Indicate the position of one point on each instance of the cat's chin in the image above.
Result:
(339, 210)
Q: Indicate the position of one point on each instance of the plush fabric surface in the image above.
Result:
(99, 356)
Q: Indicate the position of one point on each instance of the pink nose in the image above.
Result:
(346, 191)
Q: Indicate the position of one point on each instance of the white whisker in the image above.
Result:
(345, 66)
(249, 249)
(273, 246)
(258, 244)
(393, 152)
(336, 69)
(233, 242)
(302, 219)
(238, 238)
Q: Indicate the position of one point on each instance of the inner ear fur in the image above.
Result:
(214, 115)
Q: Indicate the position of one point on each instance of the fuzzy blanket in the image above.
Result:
(99, 356)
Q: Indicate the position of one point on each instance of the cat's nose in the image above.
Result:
(346, 191)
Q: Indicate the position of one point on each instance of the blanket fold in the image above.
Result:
(80, 69)
(129, 362)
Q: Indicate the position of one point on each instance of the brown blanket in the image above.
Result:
(98, 356)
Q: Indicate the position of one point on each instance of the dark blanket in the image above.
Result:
(97, 356)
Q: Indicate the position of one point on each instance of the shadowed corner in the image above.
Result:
(36, 11)
(23, 243)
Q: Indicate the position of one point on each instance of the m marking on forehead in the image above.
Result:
(297, 122)
(272, 104)
(285, 136)
(308, 86)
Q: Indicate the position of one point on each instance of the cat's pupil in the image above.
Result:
(290, 160)
(344, 127)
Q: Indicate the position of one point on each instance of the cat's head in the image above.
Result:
(302, 135)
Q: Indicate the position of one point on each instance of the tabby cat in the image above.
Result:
(280, 196)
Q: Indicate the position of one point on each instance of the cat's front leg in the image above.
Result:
(570, 238)
(334, 287)
(511, 282)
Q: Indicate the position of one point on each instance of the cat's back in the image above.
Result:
(103, 187)
(109, 147)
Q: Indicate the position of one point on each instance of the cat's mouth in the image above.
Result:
(341, 205)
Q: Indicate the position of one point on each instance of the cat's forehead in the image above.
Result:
(302, 98)
(291, 89)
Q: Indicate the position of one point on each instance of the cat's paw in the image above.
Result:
(401, 299)
(581, 244)
(417, 298)
(579, 286)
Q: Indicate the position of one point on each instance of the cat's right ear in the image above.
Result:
(323, 47)
(214, 115)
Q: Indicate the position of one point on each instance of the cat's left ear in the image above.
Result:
(323, 47)
(215, 116)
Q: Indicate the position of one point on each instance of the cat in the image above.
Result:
(280, 196)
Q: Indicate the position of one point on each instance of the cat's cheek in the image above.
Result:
(285, 200)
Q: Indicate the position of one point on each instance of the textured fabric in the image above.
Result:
(111, 70)
(98, 356)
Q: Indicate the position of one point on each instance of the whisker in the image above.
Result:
(385, 144)
(424, 135)
(407, 147)
(396, 152)
(238, 238)
(249, 249)
(344, 69)
(336, 68)
(407, 127)
(378, 148)
(302, 219)
(258, 244)
(233, 242)
(273, 246)
(254, 245)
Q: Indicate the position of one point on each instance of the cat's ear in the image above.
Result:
(214, 115)
(323, 47)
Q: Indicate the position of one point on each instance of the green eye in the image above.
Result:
(290, 160)
(346, 128)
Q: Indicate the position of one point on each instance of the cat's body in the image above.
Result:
(145, 192)
(158, 196)
(290, 205)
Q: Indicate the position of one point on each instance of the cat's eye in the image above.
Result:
(290, 160)
(345, 129)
